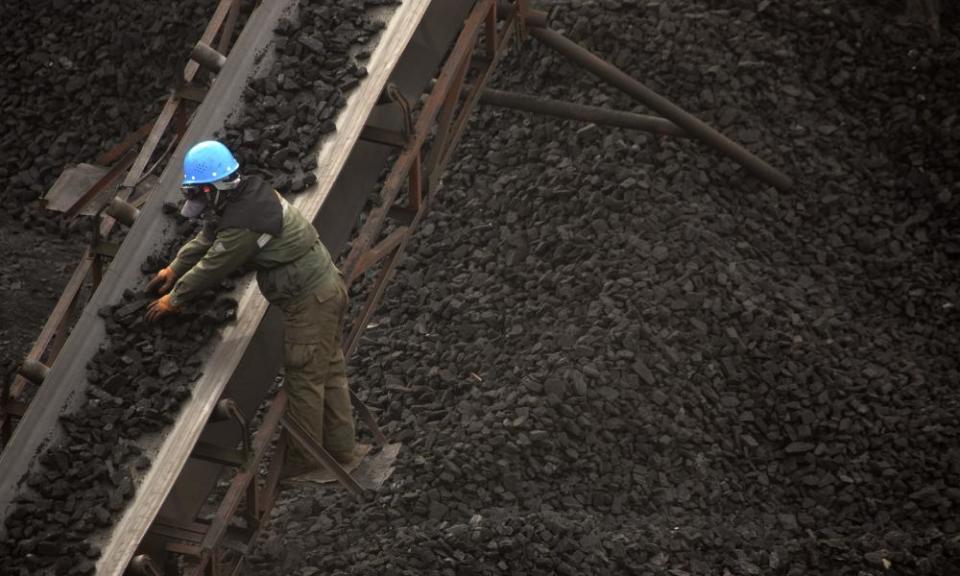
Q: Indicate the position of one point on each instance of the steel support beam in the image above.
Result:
(581, 112)
(694, 126)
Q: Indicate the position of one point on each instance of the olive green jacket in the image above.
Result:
(288, 266)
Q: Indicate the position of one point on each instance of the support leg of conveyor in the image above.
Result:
(694, 126)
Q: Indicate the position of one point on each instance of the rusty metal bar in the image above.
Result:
(582, 112)
(379, 252)
(55, 323)
(439, 93)
(268, 493)
(209, 33)
(53, 331)
(442, 156)
(320, 454)
(190, 92)
(173, 102)
(229, 410)
(379, 287)
(16, 408)
(117, 151)
(694, 126)
(532, 18)
(415, 183)
(159, 128)
(62, 331)
(491, 32)
(468, 105)
(462, 47)
(226, 34)
(367, 416)
(237, 491)
(450, 103)
(96, 271)
(115, 171)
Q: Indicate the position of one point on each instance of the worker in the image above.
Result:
(248, 223)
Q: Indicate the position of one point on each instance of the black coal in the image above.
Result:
(143, 372)
(77, 78)
(609, 353)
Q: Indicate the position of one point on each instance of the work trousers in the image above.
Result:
(316, 377)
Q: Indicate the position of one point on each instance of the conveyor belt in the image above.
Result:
(63, 389)
(335, 221)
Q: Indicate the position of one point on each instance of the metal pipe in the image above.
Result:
(122, 211)
(207, 56)
(533, 19)
(228, 409)
(694, 126)
(34, 371)
(142, 565)
(582, 112)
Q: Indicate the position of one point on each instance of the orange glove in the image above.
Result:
(160, 308)
(163, 282)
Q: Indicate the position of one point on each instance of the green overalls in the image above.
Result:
(294, 271)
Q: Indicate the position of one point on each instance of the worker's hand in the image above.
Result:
(163, 282)
(160, 308)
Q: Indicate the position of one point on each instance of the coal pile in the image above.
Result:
(137, 381)
(143, 372)
(609, 353)
(320, 60)
(78, 77)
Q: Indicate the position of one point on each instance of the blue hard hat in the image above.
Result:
(208, 161)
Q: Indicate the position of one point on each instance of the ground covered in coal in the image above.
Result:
(77, 77)
(613, 354)
(143, 371)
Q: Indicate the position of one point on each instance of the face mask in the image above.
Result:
(199, 197)
(196, 200)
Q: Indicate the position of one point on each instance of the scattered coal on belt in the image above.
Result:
(143, 372)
